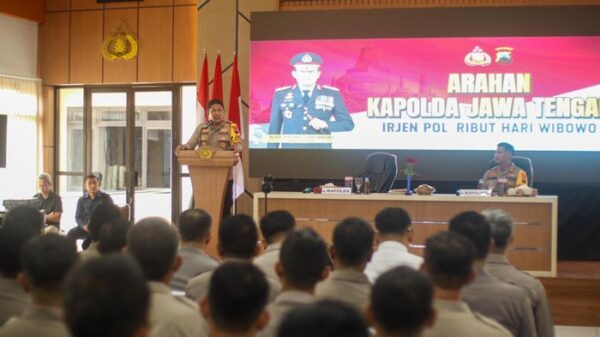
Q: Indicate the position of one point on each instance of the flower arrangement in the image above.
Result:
(409, 171)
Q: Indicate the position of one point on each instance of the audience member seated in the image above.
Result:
(153, 242)
(394, 233)
(113, 236)
(45, 261)
(500, 301)
(238, 241)
(194, 231)
(351, 250)
(100, 215)
(325, 318)
(18, 226)
(275, 227)
(236, 300)
(449, 261)
(303, 262)
(401, 303)
(498, 266)
(51, 203)
(92, 197)
(107, 297)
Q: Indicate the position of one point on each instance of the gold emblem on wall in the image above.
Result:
(120, 45)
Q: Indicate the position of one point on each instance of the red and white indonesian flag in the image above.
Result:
(202, 94)
(235, 116)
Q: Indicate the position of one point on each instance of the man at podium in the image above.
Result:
(217, 134)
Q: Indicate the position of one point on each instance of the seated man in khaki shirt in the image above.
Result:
(449, 261)
(236, 300)
(498, 266)
(351, 250)
(500, 301)
(153, 242)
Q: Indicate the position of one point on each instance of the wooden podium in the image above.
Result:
(209, 182)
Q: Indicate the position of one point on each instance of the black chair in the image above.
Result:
(523, 163)
(381, 168)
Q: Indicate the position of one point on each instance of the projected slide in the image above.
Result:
(539, 93)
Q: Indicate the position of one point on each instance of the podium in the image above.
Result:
(209, 182)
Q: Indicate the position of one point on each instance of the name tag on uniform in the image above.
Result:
(323, 102)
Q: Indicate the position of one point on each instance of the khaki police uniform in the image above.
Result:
(223, 136)
(348, 286)
(499, 266)
(284, 302)
(267, 261)
(36, 320)
(502, 302)
(515, 176)
(195, 262)
(178, 312)
(13, 299)
(455, 319)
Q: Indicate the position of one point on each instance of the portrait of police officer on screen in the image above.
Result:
(305, 114)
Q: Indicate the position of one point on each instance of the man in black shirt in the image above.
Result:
(51, 203)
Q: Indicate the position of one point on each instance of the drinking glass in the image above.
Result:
(358, 181)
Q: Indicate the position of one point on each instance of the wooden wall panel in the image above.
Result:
(58, 5)
(156, 40)
(120, 71)
(32, 10)
(86, 42)
(186, 2)
(292, 5)
(151, 3)
(53, 48)
(184, 46)
(85, 4)
(127, 4)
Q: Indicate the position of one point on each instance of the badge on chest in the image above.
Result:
(323, 102)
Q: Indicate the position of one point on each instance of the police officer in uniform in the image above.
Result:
(217, 134)
(304, 115)
(505, 169)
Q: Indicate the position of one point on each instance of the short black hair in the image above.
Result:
(502, 224)
(303, 257)
(19, 226)
(507, 147)
(194, 224)
(238, 237)
(353, 241)
(449, 259)
(106, 296)
(325, 318)
(401, 300)
(93, 176)
(153, 242)
(46, 261)
(476, 228)
(276, 222)
(100, 215)
(238, 293)
(215, 101)
(392, 220)
(113, 236)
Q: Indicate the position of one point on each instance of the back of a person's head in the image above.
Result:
(194, 224)
(325, 318)
(25, 215)
(237, 295)
(353, 241)
(46, 261)
(303, 258)
(449, 260)
(475, 228)
(502, 225)
(101, 214)
(401, 301)
(238, 237)
(106, 296)
(113, 236)
(392, 220)
(276, 224)
(153, 242)
(14, 233)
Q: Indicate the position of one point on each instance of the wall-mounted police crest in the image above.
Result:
(120, 45)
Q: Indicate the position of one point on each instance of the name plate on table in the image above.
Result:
(336, 190)
(474, 193)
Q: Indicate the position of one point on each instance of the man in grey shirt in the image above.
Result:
(498, 265)
(352, 249)
(504, 303)
(194, 230)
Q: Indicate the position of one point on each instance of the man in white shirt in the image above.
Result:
(394, 233)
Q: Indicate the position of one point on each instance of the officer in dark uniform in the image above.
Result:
(304, 115)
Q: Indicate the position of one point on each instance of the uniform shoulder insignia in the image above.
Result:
(331, 88)
(488, 321)
(283, 88)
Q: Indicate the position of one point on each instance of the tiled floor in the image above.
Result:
(577, 331)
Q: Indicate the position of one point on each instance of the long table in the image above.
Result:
(533, 249)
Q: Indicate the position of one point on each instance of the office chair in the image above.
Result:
(381, 168)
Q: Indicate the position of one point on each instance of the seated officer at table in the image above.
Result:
(51, 203)
(505, 169)
(305, 109)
